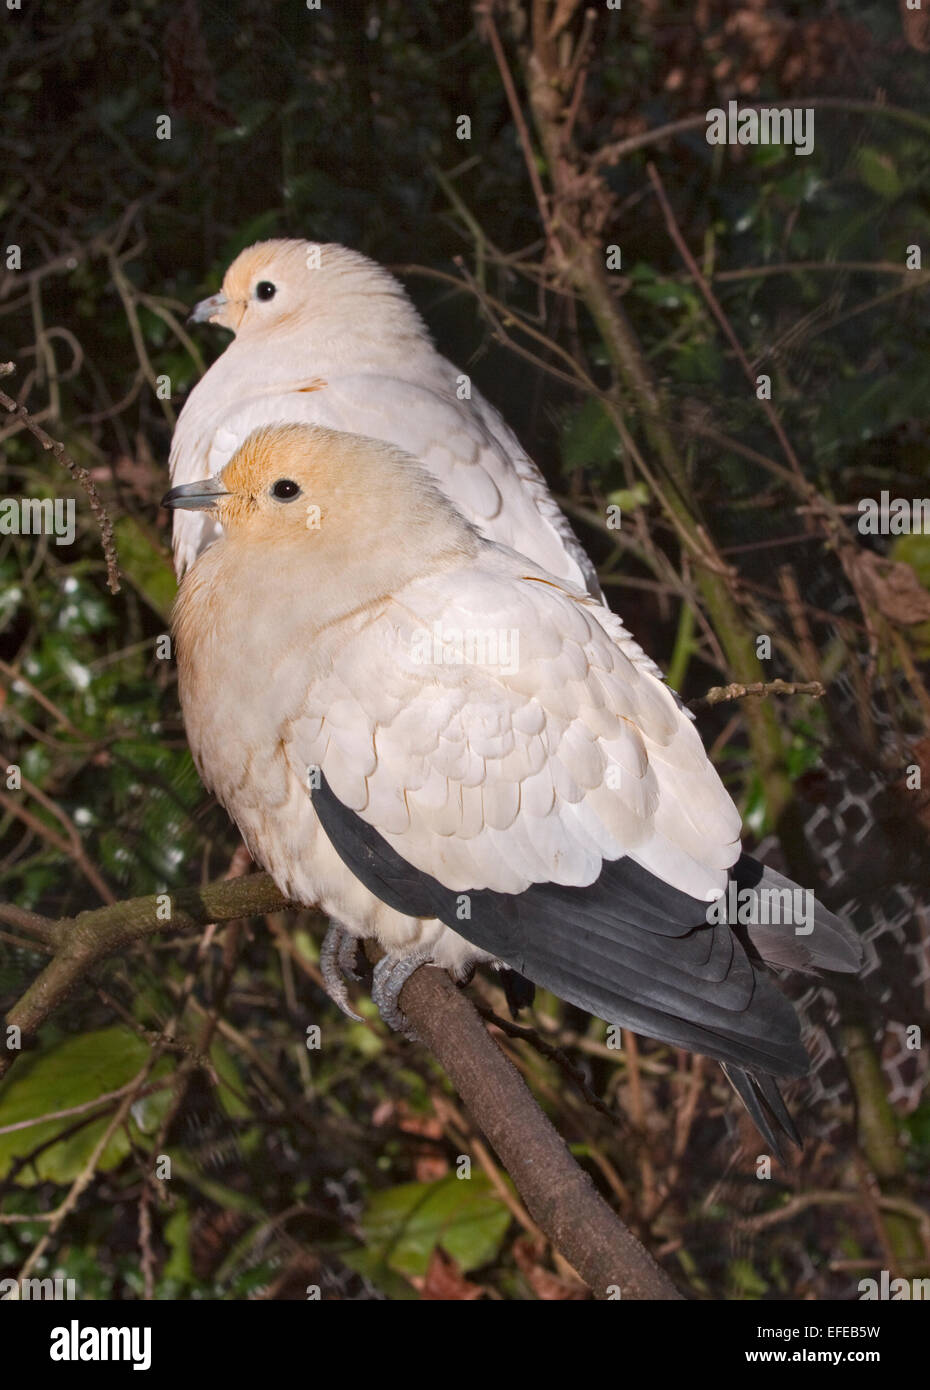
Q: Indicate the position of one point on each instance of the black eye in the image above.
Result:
(284, 490)
(265, 290)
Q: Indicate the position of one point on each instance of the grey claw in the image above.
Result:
(347, 956)
(338, 958)
(388, 979)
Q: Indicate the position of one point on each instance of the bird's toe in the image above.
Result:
(390, 975)
(338, 959)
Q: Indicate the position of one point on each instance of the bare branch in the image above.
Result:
(718, 694)
(558, 1194)
(80, 475)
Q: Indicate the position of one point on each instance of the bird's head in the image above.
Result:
(275, 287)
(275, 484)
(318, 492)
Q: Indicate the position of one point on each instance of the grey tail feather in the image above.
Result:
(830, 945)
(763, 1100)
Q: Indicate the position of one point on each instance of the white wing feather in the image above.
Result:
(475, 459)
(485, 777)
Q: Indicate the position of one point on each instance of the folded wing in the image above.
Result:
(472, 454)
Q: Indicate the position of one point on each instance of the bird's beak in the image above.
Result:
(195, 497)
(207, 309)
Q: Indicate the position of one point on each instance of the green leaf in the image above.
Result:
(699, 361)
(231, 1087)
(179, 1264)
(69, 1074)
(145, 564)
(746, 1280)
(878, 173)
(465, 1216)
(589, 439)
(628, 499)
(755, 807)
(231, 1091)
(667, 294)
(914, 550)
(371, 1264)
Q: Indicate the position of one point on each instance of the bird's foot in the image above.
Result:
(390, 975)
(338, 962)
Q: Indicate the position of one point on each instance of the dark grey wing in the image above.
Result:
(628, 948)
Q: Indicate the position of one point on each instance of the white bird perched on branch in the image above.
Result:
(326, 336)
(545, 804)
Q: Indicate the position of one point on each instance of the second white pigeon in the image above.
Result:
(325, 336)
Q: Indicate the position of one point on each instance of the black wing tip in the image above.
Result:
(763, 1101)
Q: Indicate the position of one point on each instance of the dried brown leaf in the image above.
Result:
(546, 1285)
(892, 586)
(916, 26)
(445, 1283)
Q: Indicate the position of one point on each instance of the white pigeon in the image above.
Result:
(326, 336)
(471, 760)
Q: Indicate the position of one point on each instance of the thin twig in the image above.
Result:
(103, 1099)
(611, 154)
(714, 305)
(718, 694)
(80, 475)
(513, 101)
(558, 1055)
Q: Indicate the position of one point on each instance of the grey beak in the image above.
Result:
(205, 310)
(195, 497)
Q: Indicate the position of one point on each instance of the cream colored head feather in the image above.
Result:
(350, 517)
(276, 287)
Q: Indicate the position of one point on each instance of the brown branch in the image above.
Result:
(42, 927)
(718, 694)
(558, 1055)
(80, 475)
(81, 942)
(486, 21)
(612, 153)
(17, 677)
(804, 1201)
(68, 846)
(756, 272)
(558, 1194)
(84, 1108)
